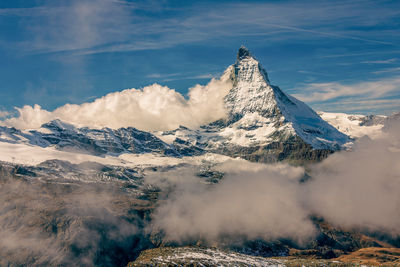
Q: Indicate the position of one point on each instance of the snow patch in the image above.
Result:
(350, 125)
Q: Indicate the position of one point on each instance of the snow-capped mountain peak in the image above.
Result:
(251, 90)
(253, 96)
(263, 122)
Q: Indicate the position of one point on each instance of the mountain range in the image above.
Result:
(263, 124)
(87, 193)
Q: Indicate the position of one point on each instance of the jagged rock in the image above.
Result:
(98, 142)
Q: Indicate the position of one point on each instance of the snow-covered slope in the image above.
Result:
(356, 126)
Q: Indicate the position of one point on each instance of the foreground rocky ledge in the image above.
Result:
(198, 256)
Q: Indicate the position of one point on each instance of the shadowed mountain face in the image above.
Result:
(67, 137)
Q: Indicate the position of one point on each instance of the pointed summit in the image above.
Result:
(252, 91)
(253, 96)
(243, 53)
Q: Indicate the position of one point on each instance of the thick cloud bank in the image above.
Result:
(357, 189)
(252, 204)
(360, 188)
(154, 107)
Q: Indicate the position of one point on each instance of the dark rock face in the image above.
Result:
(58, 170)
(106, 140)
(185, 148)
(262, 248)
(372, 120)
(331, 242)
(91, 141)
(243, 53)
(294, 150)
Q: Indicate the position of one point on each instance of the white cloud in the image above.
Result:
(386, 106)
(154, 107)
(387, 70)
(356, 189)
(360, 188)
(387, 61)
(376, 96)
(106, 25)
(71, 25)
(314, 73)
(261, 203)
(319, 92)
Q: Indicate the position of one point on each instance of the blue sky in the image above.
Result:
(339, 56)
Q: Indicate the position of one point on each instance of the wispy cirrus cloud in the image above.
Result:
(385, 61)
(314, 73)
(182, 76)
(23, 11)
(89, 27)
(317, 92)
(396, 69)
(374, 106)
(342, 55)
(88, 37)
(72, 25)
(379, 95)
(278, 22)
